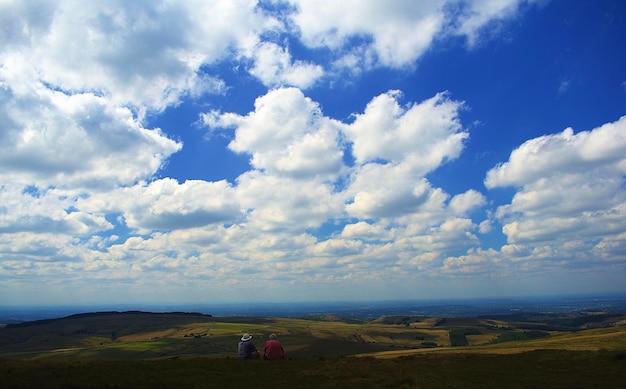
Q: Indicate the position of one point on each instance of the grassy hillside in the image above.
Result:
(143, 336)
(137, 349)
(537, 369)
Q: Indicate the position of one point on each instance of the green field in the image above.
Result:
(138, 350)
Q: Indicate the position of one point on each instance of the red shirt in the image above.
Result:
(273, 350)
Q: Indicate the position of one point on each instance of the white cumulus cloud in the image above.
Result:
(286, 134)
(393, 33)
(274, 66)
(568, 186)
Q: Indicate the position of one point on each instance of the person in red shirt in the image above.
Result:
(273, 349)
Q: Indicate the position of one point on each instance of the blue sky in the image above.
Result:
(232, 151)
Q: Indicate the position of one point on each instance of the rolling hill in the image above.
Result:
(172, 350)
(144, 335)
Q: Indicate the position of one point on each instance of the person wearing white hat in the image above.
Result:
(245, 348)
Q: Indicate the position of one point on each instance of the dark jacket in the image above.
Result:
(245, 349)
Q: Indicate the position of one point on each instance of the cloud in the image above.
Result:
(289, 140)
(286, 135)
(150, 55)
(277, 203)
(167, 205)
(569, 186)
(365, 231)
(336, 248)
(395, 33)
(473, 263)
(399, 146)
(201, 229)
(91, 72)
(452, 234)
(611, 248)
(422, 135)
(327, 201)
(274, 66)
(480, 18)
(563, 153)
(466, 202)
(76, 140)
(301, 180)
(50, 211)
(24, 25)
(146, 55)
(398, 196)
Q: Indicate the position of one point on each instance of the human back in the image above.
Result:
(245, 347)
(273, 349)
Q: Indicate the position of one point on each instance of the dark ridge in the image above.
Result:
(559, 321)
(331, 318)
(399, 319)
(100, 314)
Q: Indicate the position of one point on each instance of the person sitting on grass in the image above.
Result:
(273, 349)
(245, 348)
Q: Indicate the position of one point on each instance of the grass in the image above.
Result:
(545, 369)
